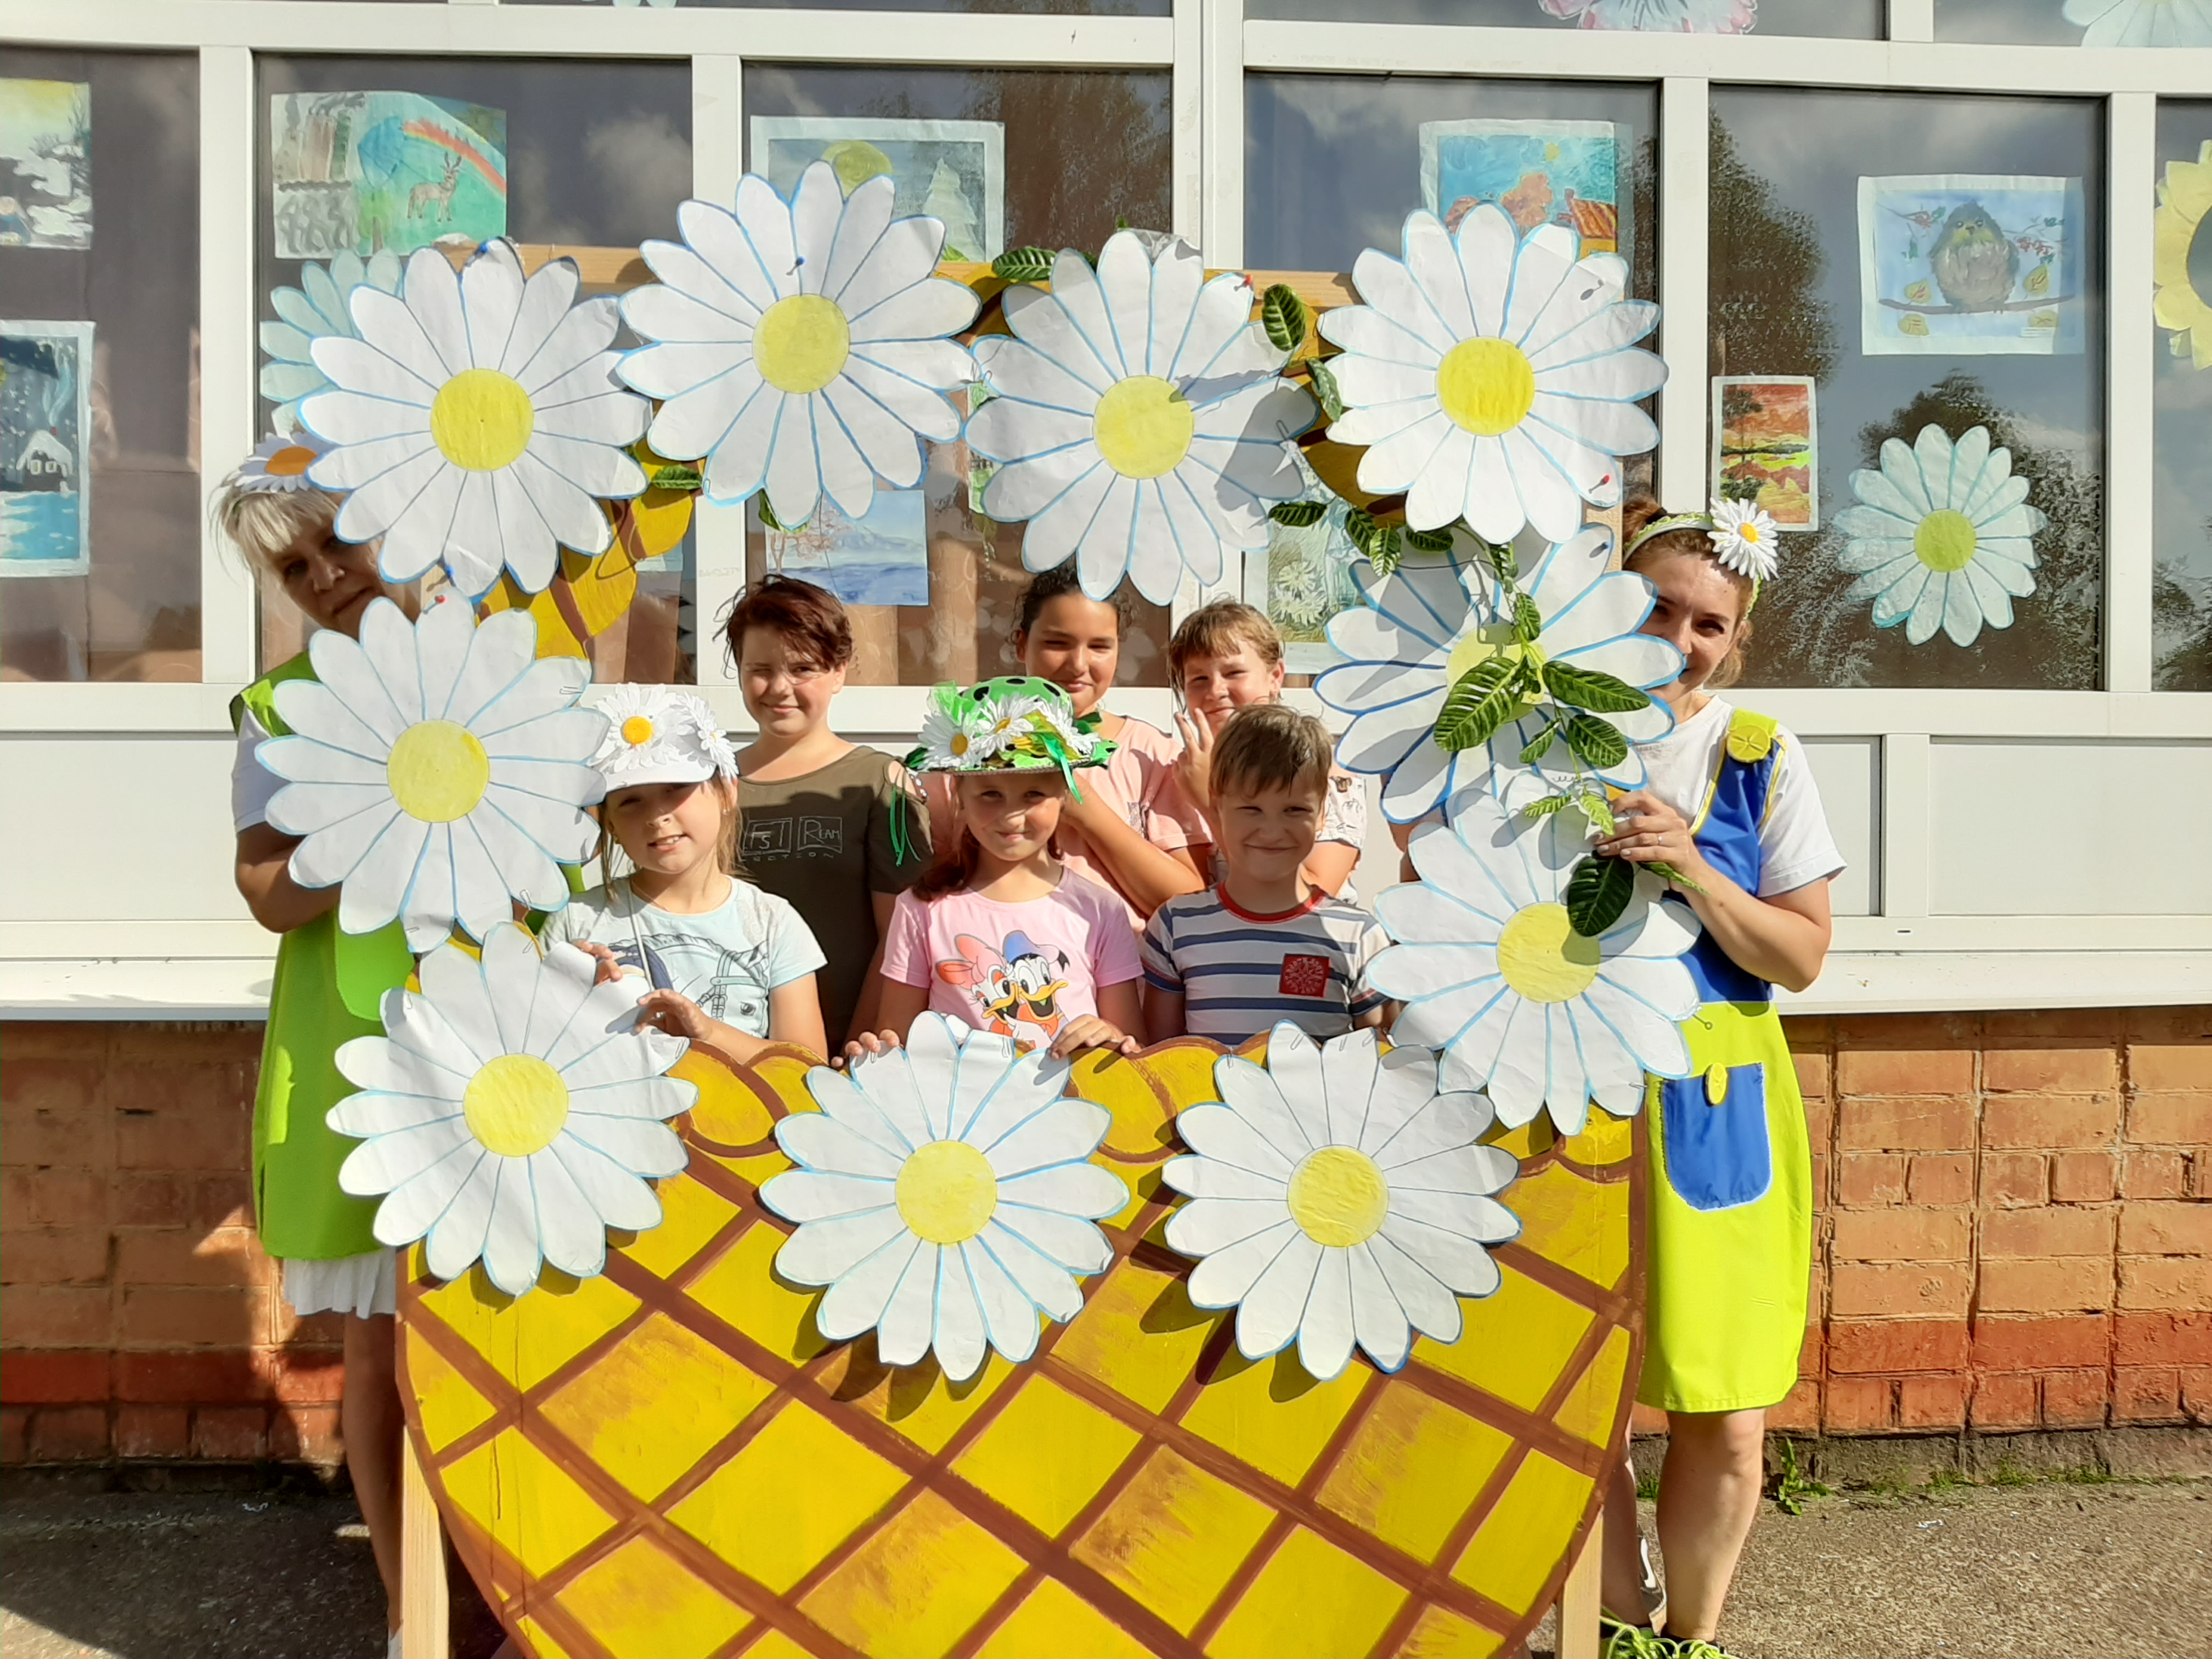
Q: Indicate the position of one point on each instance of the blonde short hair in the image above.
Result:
(262, 523)
(1218, 629)
(1271, 745)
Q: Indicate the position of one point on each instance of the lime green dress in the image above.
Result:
(1730, 1218)
(328, 985)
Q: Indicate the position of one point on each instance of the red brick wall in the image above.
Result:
(2015, 1232)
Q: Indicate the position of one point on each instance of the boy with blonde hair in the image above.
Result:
(1266, 943)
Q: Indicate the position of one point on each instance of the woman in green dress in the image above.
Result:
(325, 991)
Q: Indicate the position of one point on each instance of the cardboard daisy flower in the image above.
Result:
(1941, 536)
(279, 463)
(1492, 973)
(478, 420)
(1338, 1198)
(2184, 202)
(315, 309)
(1493, 378)
(1745, 538)
(801, 347)
(2143, 22)
(512, 1112)
(438, 771)
(945, 1196)
(1439, 617)
(1137, 419)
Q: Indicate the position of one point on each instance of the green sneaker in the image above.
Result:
(1693, 1647)
(1626, 1641)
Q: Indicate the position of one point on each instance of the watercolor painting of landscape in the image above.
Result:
(369, 170)
(45, 411)
(45, 164)
(1969, 265)
(882, 558)
(953, 172)
(1565, 173)
(1765, 448)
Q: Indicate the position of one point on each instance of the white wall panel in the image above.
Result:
(1849, 772)
(2070, 829)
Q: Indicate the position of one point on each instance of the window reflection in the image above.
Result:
(1077, 152)
(2181, 595)
(1854, 19)
(135, 614)
(1786, 276)
(1094, 7)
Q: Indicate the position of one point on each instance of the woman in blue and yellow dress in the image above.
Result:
(1731, 804)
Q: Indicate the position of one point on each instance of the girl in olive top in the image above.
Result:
(833, 827)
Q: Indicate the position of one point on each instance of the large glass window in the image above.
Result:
(1933, 267)
(2080, 23)
(1117, 8)
(1859, 19)
(362, 154)
(1007, 159)
(100, 540)
(2181, 598)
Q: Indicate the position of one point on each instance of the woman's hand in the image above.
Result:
(1646, 830)
(1090, 1031)
(677, 1014)
(610, 968)
(1194, 768)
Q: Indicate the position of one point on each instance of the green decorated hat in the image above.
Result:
(1014, 724)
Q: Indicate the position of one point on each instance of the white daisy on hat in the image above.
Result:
(656, 735)
(279, 463)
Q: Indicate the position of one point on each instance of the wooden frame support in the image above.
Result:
(1578, 1600)
(425, 1618)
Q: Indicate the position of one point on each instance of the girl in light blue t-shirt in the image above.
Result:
(724, 963)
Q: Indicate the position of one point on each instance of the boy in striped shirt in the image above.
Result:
(1264, 943)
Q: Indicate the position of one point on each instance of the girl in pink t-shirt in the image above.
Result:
(998, 933)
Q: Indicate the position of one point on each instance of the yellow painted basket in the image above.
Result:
(670, 1463)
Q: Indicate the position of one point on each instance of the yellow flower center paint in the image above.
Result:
(515, 1105)
(1338, 1197)
(801, 344)
(1487, 386)
(482, 420)
(1944, 541)
(1542, 956)
(1144, 427)
(438, 771)
(947, 1192)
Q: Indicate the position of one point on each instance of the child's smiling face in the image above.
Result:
(667, 829)
(1266, 833)
(1214, 688)
(1012, 814)
(1076, 643)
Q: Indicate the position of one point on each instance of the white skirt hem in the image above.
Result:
(362, 1285)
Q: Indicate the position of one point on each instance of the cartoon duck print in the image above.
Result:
(1017, 986)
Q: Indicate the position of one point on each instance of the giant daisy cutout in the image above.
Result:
(1338, 1198)
(2143, 22)
(438, 771)
(1137, 419)
(512, 1111)
(1493, 378)
(1437, 617)
(315, 310)
(2184, 201)
(478, 420)
(800, 346)
(1492, 973)
(945, 1196)
(1941, 536)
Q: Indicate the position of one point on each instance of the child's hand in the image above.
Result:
(1091, 1032)
(610, 968)
(674, 1013)
(868, 1042)
(1194, 768)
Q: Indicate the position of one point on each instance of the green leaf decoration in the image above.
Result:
(1483, 701)
(1024, 265)
(1429, 541)
(677, 476)
(1591, 689)
(1386, 559)
(1503, 561)
(1297, 514)
(1324, 385)
(1358, 527)
(1544, 808)
(1669, 872)
(1535, 753)
(1597, 743)
(1527, 620)
(1598, 810)
(769, 521)
(1598, 893)
(1284, 317)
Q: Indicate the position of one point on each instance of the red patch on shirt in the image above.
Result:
(1304, 976)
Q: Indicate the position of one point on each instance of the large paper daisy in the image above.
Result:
(1492, 973)
(438, 770)
(1436, 617)
(944, 1196)
(1494, 379)
(2185, 199)
(478, 420)
(511, 1111)
(2143, 22)
(1337, 1198)
(1137, 419)
(801, 347)
(315, 309)
(1941, 536)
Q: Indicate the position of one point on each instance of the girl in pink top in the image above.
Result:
(1000, 933)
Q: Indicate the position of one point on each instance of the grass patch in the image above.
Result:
(1792, 1486)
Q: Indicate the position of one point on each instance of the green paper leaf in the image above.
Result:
(1483, 701)
(1527, 621)
(677, 476)
(1598, 810)
(1324, 386)
(1297, 514)
(1386, 559)
(1024, 265)
(1285, 316)
(1669, 872)
(1429, 541)
(1598, 893)
(1597, 743)
(769, 521)
(1535, 753)
(1544, 808)
(1591, 689)
(1501, 560)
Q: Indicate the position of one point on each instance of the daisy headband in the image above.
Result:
(1743, 534)
(279, 463)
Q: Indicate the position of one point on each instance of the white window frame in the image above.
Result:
(1902, 956)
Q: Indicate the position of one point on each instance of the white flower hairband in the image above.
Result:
(1743, 535)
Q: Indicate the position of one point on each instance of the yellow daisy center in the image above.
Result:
(1488, 386)
(515, 1105)
(289, 462)
(1543, 959)
(961, 744)
(1338, 1197)
(1474, 646)
(1944, 541)
(637, 729)
(947, 1192)
(1144, 426)
(801, 344)
(482, 420)
(1749, 531)
(438, 771)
